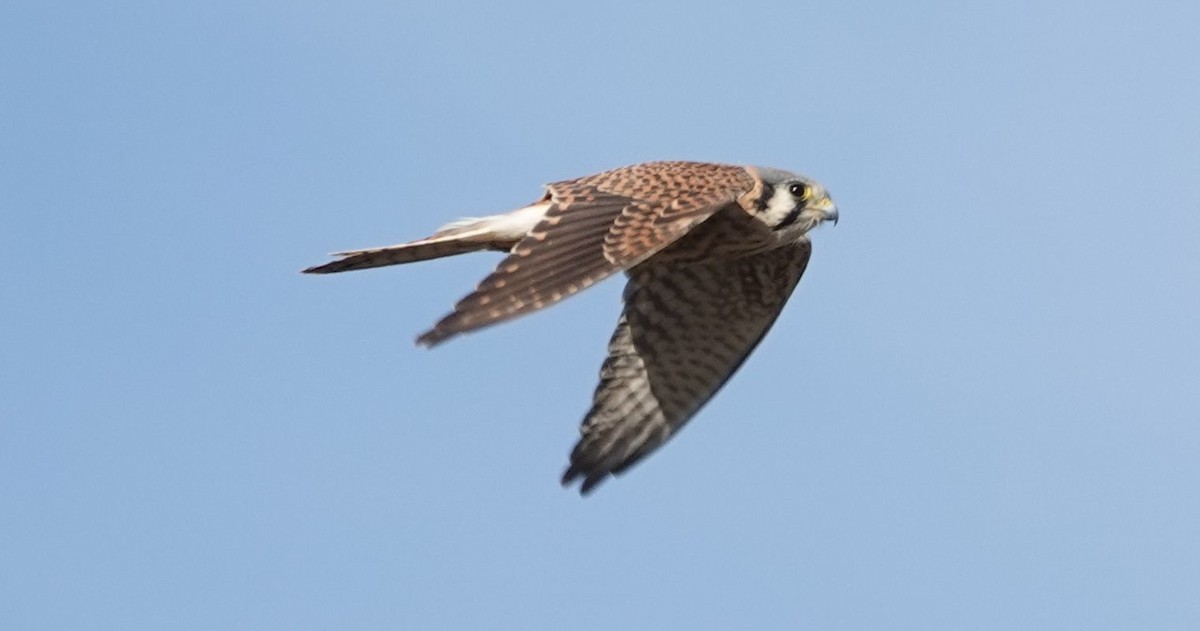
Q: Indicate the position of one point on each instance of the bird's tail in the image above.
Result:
(459, 237)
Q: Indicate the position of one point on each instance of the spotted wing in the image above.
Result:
(595, 226)
(684, 331)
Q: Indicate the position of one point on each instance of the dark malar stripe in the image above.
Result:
(790, 218)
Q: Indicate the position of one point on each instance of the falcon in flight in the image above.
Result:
(712, 252)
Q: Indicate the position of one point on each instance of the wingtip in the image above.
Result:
(446, 328)
(324, 268)
(432, 338)
(589, 481)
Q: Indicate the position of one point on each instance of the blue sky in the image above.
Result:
(980, 410)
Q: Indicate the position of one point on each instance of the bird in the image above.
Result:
(711, 252)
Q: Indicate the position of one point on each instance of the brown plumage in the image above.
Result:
(713, 252)
(684, 331)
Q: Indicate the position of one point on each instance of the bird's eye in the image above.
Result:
(799, 191)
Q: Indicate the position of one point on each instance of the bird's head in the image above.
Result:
(791, 204)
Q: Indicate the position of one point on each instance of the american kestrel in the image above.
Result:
(712, 252)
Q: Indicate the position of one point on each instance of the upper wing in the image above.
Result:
(595, 226)
(684, 331)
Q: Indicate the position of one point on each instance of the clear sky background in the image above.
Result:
(981, 410)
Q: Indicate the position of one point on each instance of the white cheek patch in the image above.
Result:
(778, 207)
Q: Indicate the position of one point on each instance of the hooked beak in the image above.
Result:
(829, 211)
